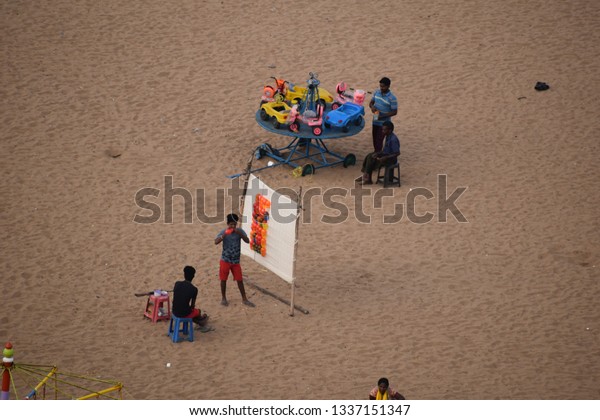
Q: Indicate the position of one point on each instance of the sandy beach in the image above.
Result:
(498, 301)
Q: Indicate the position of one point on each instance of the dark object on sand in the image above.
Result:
(541, 86)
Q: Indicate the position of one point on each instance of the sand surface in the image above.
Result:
(102, 99)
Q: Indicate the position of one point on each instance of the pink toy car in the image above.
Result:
(342, 97)
(316, 121)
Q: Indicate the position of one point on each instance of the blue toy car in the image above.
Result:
(348, 113)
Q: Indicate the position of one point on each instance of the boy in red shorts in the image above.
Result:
(230, 257)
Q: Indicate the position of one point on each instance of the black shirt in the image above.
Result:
(184, 293)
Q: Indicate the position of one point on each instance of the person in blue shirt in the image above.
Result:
(230, 257)
(384, 106)
(386, 157)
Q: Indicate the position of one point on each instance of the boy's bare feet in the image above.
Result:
(364, 180)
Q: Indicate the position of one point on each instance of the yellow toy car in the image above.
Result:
(276, 111)
(296, 93)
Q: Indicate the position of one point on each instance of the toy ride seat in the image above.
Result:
(181, 326)
(158, 308)
(359, 97)
(389, 176)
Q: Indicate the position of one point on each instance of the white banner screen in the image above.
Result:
(269, 219)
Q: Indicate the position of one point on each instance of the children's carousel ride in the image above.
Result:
(31, 382)
(311, 116)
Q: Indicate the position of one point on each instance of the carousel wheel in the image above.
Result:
(317, 131)
(335, 105)
(308, 169)
(359, 120)
(349, 160)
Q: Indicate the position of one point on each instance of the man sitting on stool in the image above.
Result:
(184, 299)
(388, 156)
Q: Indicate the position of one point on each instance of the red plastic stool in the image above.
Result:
(155, 308)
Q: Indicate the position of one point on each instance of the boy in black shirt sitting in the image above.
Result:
(184, 299)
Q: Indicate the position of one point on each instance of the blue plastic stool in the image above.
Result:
(176, 327)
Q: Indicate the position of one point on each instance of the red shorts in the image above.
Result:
(195, 312)
(226, 267)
